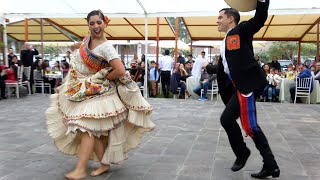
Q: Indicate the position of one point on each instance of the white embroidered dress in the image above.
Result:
(119, 113)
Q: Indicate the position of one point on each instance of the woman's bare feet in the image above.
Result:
(75, 175)
(102, 169)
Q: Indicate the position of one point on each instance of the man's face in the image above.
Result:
(68, 54)
(203, 55)
(10, 51)
(318, 66)
(223, 22)
(301, 68)
(27, 46)
(153, 64)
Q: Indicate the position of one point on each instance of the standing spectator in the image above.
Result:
(166, 65)
(10, 55)
(275, 64)
(135, 59)
(27, 59)
(317, 72)
(67, 58)
(199, 64)
(143, 57)
(188, 68)
(181, 59)
(140, 77)
(257, 58)
(153, 78)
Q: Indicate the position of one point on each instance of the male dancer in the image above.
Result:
(239, 78)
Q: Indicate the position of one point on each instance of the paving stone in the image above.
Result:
(187, 144)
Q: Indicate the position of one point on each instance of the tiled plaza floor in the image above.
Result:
(187, 144)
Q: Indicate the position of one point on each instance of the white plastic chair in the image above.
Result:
(27, 73)
(16, 84)
(303, 88)
(39, 81)
(214, 90)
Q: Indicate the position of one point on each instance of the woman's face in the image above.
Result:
(181, 66)
(266, 68)
(96, 26)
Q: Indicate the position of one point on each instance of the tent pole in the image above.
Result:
(145, 92)
(318, 43)
(5, 41)
(176, 40)
(191, 47)
(41, 28)
(26, 38)
(157, 53)
(299, 52)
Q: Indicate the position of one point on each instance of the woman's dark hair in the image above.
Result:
(94, 13)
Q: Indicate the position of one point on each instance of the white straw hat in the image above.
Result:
(242, 5)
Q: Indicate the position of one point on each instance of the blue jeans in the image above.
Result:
(203, 86)
(270, 92)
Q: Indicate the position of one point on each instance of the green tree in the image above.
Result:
(183, 33)
(51, 52)
(287, 50)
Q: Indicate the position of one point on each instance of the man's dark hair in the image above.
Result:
(232, 12)
(190, 55)
(203, 52)
(152, 62)
(167, 52)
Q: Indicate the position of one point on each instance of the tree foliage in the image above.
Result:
(183, 33)
(287, 50)
(51, 52)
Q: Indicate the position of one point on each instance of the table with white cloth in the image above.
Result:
(191, 84)
(57, 75)
(286, 84)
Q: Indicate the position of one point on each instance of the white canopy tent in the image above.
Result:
(136, 8)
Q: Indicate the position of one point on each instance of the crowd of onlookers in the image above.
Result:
(9, 74)
(274, 76)
(170, 75)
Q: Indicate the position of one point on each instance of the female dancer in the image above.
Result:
(98, 112)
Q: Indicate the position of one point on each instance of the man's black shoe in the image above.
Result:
(241, 162)
(265, 173)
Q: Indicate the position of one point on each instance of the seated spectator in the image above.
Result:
(206, 78)
(11, 75)
(56, 67)
(65, 68)
(271, 91)
(2, 82)
(266, 68)
(178, 79)
(139, 77)
(304, 73)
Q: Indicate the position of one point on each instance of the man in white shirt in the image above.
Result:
(199, 64)
(166, 64)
